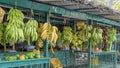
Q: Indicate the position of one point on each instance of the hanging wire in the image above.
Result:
(15, 1)
(31, 10)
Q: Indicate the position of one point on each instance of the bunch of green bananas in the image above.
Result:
(30, 30)
(74, 42)
(83, 36)
(15, 14)
(66, 36)
(97, 36)
(111, 36)
(14, 28)
(80, 25)
(2, 35)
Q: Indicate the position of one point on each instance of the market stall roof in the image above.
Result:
(84, 6)
(64, 11)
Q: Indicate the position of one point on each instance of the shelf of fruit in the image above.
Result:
(29, 58)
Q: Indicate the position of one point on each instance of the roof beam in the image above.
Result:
(26, 4)
(50, 0)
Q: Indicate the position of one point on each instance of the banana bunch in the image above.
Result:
(39, 43)
(111, 36)
(83, 36)
(53, 34)
(2, 35)
(1, 30)
(66, 36)
(2, 13)
(15, 14)
(49, 33)
(45, 31)
(80, 25)
(15, 25)
(97, 36)
(30, 31)
(74, 42)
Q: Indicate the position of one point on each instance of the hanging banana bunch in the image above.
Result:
(80, 25)
(111, 37)
(45, 31)
(30, 31)
(15, 26)
(66, 36)
(2, 13)
(39, 42)
(97, 36)
(74, 42)
(2, 35)
(49, 33)
(83, 36)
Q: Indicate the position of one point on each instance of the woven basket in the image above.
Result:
(55, 63)
(2, 13)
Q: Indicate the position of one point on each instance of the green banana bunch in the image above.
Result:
(66, 36)
(111, 36)
(83, 36)
(30, 31)
(97, 36)
(2, 35)
(14, 29)
(74, 42)
(15, 14)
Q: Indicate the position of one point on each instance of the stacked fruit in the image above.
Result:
(30, 30)
(30, 55)
(14, 28)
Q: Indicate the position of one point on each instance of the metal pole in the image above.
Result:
(46, 42)
(89, 47)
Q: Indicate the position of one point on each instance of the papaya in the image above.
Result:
(22, 57)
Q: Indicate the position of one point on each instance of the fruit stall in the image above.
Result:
(58, 34)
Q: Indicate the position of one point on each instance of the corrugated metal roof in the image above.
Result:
(84, 6)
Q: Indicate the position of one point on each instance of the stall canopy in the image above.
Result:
(86, 6)
(81, 9)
